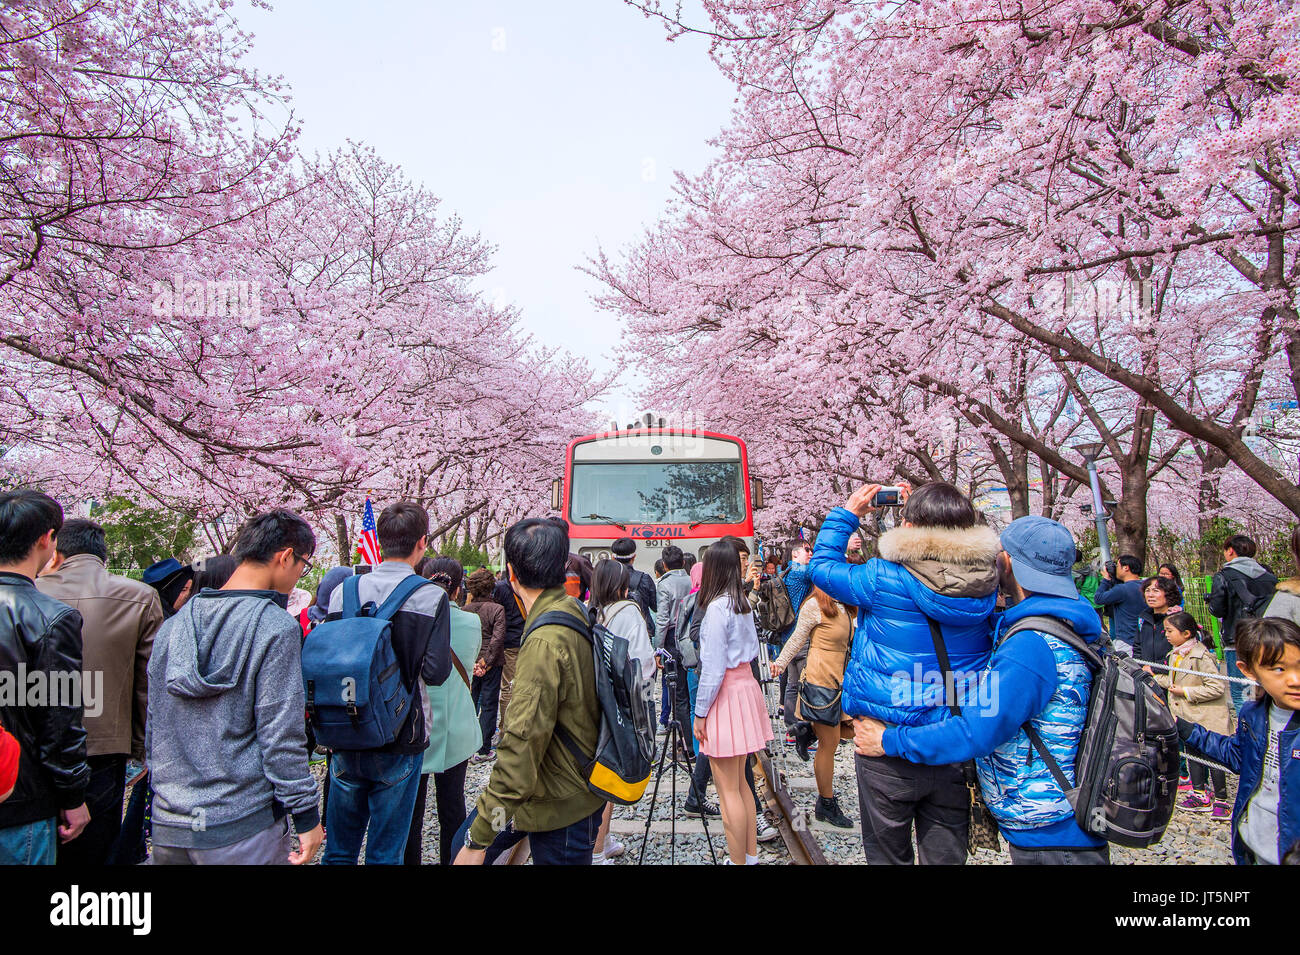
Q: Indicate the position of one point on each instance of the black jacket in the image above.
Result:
(641, 588)
(40, 635)
(504, 594)
(1151, 643)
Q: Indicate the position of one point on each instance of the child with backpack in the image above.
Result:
(1265, 750)
(1198, 699)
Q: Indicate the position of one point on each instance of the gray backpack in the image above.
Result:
(1126, 771)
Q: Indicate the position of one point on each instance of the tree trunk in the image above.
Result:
(1130, 520)
(343, 538)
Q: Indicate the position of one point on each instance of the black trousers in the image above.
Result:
(486, 692)
(1199, 773)
(896, 796)
(104, 797)
(449, 802)
(1099, 856)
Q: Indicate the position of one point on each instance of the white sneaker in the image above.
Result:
(613, 849)
(766, 831)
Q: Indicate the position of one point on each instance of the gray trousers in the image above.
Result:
(271, 846)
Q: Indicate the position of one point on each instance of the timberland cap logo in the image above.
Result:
(1043, 544)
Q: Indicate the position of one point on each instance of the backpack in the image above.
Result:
(775, 613)
(688, 639)
(1126, 770)
(1251, 602)
(356, 698)
(635, 593)
(620, 769)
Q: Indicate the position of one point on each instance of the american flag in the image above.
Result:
(368, 545)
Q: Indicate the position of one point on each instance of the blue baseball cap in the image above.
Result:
(1042, 556)
(159, 572)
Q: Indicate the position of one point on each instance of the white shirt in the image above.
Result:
(727, 640)
(631, 627)
(1259, 829)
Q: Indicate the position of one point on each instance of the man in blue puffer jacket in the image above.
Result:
(1032, 678)
(938, 566)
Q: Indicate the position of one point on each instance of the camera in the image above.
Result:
(1111, 568)
(888, 497)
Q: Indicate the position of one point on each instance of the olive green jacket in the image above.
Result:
(535, 781)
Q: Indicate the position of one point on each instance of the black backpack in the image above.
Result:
(1126, 770)
(1252, 595)
(620, 769)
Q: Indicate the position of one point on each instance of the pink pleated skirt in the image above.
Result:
(737, 722)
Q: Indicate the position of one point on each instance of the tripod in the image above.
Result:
(672, 739)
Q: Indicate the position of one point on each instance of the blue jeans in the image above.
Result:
(33, 843)
(372, 794)
(571, 845)
(1237, 690)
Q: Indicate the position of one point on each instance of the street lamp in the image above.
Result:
(1090, 451)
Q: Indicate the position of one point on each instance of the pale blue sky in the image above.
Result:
(549, 133)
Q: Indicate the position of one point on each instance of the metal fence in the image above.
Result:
(1195, 592)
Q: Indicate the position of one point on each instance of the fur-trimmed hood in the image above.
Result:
(1289, 586)
(949, 561)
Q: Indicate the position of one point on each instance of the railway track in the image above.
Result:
(791, 821)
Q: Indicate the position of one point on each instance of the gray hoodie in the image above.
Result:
(225, 738)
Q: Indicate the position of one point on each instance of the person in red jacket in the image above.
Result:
(8, 764)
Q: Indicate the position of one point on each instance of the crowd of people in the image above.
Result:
(194, 687)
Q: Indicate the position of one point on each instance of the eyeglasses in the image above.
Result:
(306, 565)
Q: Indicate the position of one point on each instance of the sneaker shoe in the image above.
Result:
(692, 808)
(828, 811)
(766, 831)
(487, 757)
(1221, 811)
(1184, 784)
(613, 849)
(1196, 802)
(789, 739)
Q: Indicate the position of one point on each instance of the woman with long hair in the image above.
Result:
(454, 732)
(823, 626)
(621, 617)
(731, 718)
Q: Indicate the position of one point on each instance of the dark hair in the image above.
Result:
(26, 517)
(1185, 622)
(216, 571)
(939, 504)
(660, 568)
(609, 583)
(721, 577)
(1243, 545)
(1262, 641)
(1166, 586)
(481, 583)
(1132, 563)
(1177, 577)
(673, 557)
(740, 546)
(446, 572)
(537, 550)
(81, 536)
(265, 535)
(688, 561)
(400, 527)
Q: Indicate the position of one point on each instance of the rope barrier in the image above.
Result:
(1227, 679)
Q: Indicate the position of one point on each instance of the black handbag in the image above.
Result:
(820, 704)
(983, 830)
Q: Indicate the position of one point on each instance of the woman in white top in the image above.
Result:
(621, 617)
(731, 718)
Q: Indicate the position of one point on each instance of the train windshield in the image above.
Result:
(671, 492)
